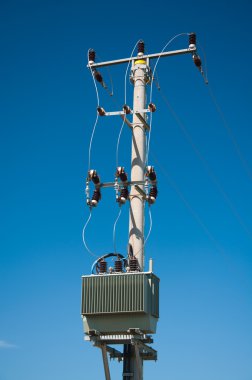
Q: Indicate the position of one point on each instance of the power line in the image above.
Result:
(230, 134)
(207, 167)
(151, 88)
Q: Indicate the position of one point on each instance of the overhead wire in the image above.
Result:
(219, 248)
(151, 88)
(89, 157)
(84, 232)
(111, 93)
(230, 134)
(97, 116)
(114, 228)
(196, 216)
(207, 167)
(225, 124)
(125, 102)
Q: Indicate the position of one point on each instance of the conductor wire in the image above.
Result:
(83, 235)
(125, 102)
(208, 169)
(96, 121)
(230, 134)
(114, 228)
(151, 89)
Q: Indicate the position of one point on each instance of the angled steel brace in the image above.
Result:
(103, 347)
(143, 121)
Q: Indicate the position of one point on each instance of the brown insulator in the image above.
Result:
(123, 177)
(118, 265)
(153, 195)
(152, 107)
(98, 76)
(101, 111)
(133, 264)
(192, 39)
(153, 192)
(91, 55)
(197, 61)
(103, 266)
(121, 174)
(96, 197)
(140, 46)
(151, 174)
(126, 109)
(96, 179)
(124, 195)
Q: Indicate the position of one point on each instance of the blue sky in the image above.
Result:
(201, 240)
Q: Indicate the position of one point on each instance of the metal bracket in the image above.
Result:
(122, 113)
(126, 121)
(141, 118)
(141, 192)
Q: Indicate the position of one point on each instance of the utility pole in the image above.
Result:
(99, 321)
(140, 73)
(138, 157)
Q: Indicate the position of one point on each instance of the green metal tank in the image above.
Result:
(115, 303)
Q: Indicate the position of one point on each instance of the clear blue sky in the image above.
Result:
(201, 240)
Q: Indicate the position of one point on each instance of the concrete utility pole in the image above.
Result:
(138, 163)
(138, 159)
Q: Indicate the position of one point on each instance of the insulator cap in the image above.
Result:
(124, 195)
(98, 76)
(192, 39)
(140, 47)
(152, 107)
(91, 55)
(96, 197)
(126, 109)
(197, 60)
(96, 179)
(93, 175)
(123, 177)
(121, 174)
(101, 111)
(151, 174)
(153, 195)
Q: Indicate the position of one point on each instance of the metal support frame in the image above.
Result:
(103, 347)
(190, 50)
(134, 344)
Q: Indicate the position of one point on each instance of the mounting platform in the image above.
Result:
(134, 338)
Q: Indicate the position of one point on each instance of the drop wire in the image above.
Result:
(83, 235)
(114, 229)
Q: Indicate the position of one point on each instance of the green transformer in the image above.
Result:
(116, 303)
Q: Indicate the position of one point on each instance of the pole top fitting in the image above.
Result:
(192, 40)
(91, 56)
(140, 48)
